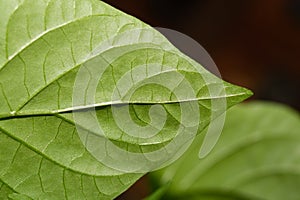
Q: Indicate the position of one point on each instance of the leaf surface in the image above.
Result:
(68, 66)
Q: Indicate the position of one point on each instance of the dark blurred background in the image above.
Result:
(255, 43)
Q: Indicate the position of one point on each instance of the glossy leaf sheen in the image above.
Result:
(42, 46)
(257, 157)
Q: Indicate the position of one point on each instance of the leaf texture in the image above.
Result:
(60, 57)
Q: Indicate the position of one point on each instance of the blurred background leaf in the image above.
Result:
(257, 157)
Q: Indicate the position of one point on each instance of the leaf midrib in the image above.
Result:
(13, 115)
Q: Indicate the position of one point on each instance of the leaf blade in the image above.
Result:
(45, 45)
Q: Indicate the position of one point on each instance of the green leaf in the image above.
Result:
(257, 157)
(66, 70)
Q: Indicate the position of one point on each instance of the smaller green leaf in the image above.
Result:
(257, 157)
